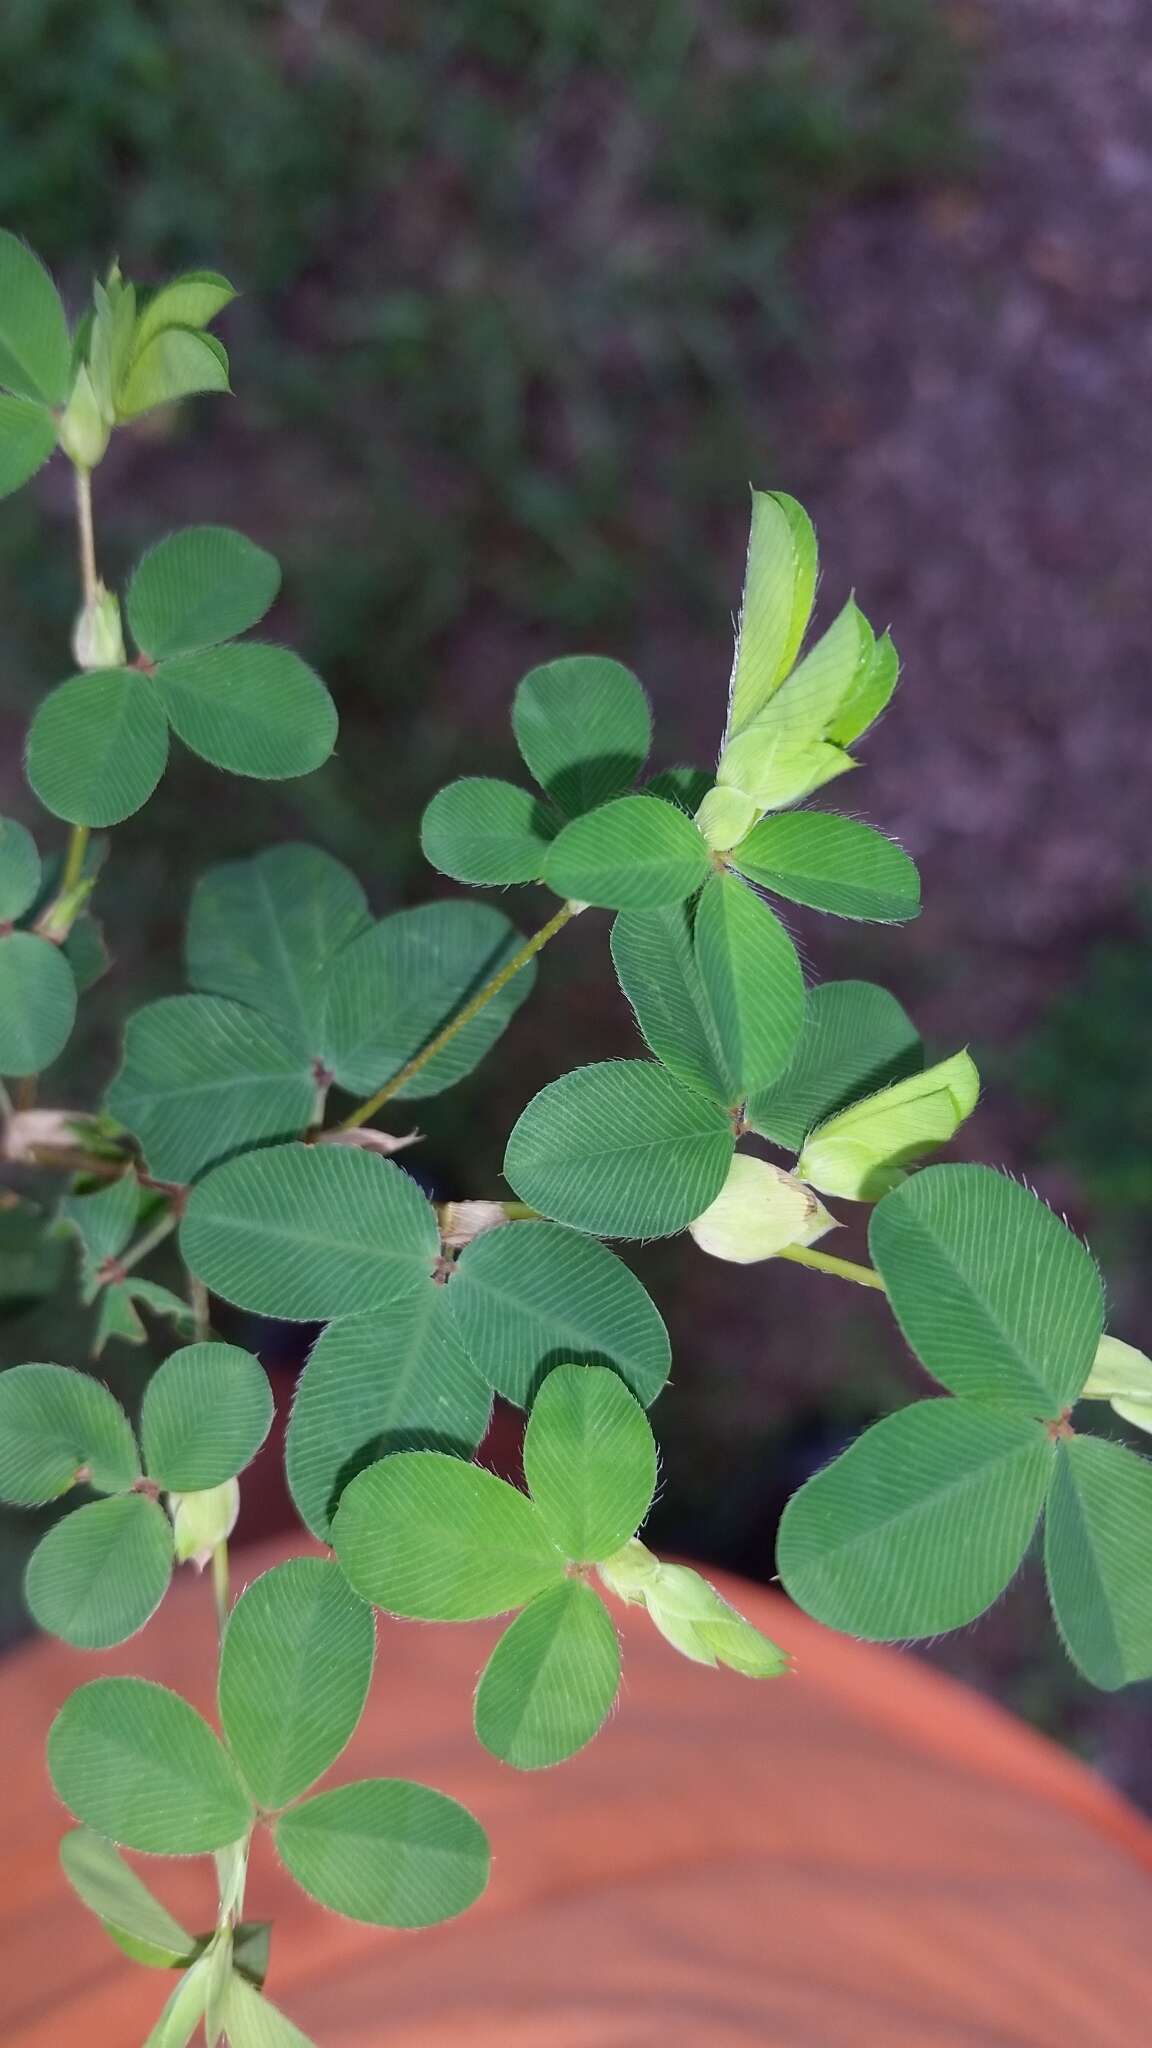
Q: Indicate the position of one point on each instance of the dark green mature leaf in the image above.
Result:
(634, 854)
(264, 931)
(549, 1685)
(110, 1888)
(831, 863)
(1098, 1538)
(205, 1414)
(176, 363)
(752, 983)
(386, 1851)
(104, 1221)
(86, 953)
(37, 1003)
(97, 747)
(584, 727)
(101, 1573)
(138, 1764)
(56, 1424)
(391, 990)
(485, 831)
(295, 1670)
(19, 870)
(622, 1149)
(197, 588)
(308, 1232)
(656, 968)
(35, 353)
(202, 1078)
(856, 1039)
(994, 1294)
(161, 1300)
(426, 1536)
(589, 1461)
(529, 1295)
(919, 1526)
(397, 1381)
(253, 709)
(27, 439)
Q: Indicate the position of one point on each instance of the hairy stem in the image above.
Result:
(824, 1262)
(220, 1585)
(86, 533)
(480, 1001)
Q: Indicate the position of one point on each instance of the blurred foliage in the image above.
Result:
(503, 258)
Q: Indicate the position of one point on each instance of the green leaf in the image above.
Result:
(395, 987)
(584, 727)
(308, 1232)
(634, 854)
(684, 786)
(804, 708)
(779, 586)
(264, 931)
(752, 984)
(35, 352)
(622, 1149)
(1097, 1541)
(996, 1297)
(109, 1888)
(177, 363)
(870, 693)
(831, 863)
(197, 588)
(251, 2021)
(19, 870)
(426, 1536)
(1122, 1376)
(856, 1039)
(657, 970)
(589, 1461)
(55, 1424)
(186, 2006)
(400, 1381)
(163, 1302)
(201, 1078)
(37, 1003)
(549, 1685)
(31, 1254)
(385, 1851)
(104, 1221)
(97, 747)
(206, 1411)
(484, 831)
(193, 300)
(251, 708)
(116, 1317)
(86, 953)
(101, 1573)
(690, 1613)
(529, 1294)
(295, 1669)
(865, 1150)
(920, 1525)
(27, 439)
(138, 1764)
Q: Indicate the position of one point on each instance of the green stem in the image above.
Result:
(480, 1001)
(147, 1243)
(824, 1262)
(86, 533)
(74, 860)
(220, 1586)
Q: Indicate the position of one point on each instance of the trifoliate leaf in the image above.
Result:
(250, 708)
(920, 1525)
(549, 1685)
(998, 1299)
(197, 588)
(584, 727)
(97, 747)
(622, 1149)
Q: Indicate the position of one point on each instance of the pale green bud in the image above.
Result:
(773, 772)
(1122, 1375)
(866, 1150)
(690, 1614)
(83, 431)
(98, 636)
(200, 1521)
(725, 817)
(759, 1210)
(779, 586)
(630, 1571)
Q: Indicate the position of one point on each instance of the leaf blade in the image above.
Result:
(583, 726)
(140, 1766)
(550, 1683)
(250, 708)
(831, 863)
(589, 1461)
(198, 587)
(100, 1574)
(1098, 1528)
(206, 1411)
(97, 747)
(387, 1852)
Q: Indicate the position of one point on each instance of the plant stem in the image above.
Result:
(480, 1001)
(824, 1262)
(201, 1308)
(220, 1585)
(74, 859)
(149, 1241)
(86, 533)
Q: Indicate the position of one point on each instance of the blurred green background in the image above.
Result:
(532, 289)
